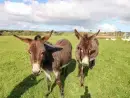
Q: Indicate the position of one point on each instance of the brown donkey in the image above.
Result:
(50, 58)
(86, 53)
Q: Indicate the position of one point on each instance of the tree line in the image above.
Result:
(26, 32)
(33, 33)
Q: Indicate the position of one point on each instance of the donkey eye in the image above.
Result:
(92, 51)
(29, 51)
(42, 52)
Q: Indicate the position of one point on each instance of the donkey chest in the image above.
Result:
(50, 70)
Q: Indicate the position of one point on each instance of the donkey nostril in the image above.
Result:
(36, 72)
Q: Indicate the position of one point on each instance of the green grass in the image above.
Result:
(110, 78)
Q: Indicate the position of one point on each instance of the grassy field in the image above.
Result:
(110, 78)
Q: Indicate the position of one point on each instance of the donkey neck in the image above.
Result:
(47, 62)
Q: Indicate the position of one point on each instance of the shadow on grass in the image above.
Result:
(23, 86)
(69, 69)
(86, 93)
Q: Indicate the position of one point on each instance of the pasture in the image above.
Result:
(110, 77)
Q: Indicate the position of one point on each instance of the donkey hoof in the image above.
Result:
(62, 96)
(82, 85)
(47, 94)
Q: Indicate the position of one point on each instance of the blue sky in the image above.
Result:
(65, 15)
(1, 1)
(119, 26)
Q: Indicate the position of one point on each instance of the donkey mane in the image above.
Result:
(37, 37)
(48, 43)
(85, 35)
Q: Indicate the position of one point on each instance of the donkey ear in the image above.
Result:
(94, 35)
(52, 48)
(77, 34)
(45, 38)
(27, 40)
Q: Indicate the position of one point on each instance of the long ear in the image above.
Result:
(77, 34)
(52, 48)
(27, 40)
(94, 35)
(45, 38)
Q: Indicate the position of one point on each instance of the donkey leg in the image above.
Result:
(79, 70)
(59, 83)
(49, 87)
(65, 71)
(82, 76)
(47, 73)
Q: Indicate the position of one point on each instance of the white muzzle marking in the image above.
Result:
(85, 60)
(36, 68)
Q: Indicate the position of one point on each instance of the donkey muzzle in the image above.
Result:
(36, 69)
(85, 61)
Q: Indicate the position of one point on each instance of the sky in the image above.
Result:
(65, 15)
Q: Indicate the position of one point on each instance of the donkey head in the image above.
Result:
(85, 46)
(37, 50)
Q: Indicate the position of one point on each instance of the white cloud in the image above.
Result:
(80, 28)
(84, 14)
(122, 2)
(17, 8)
(107, 28)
